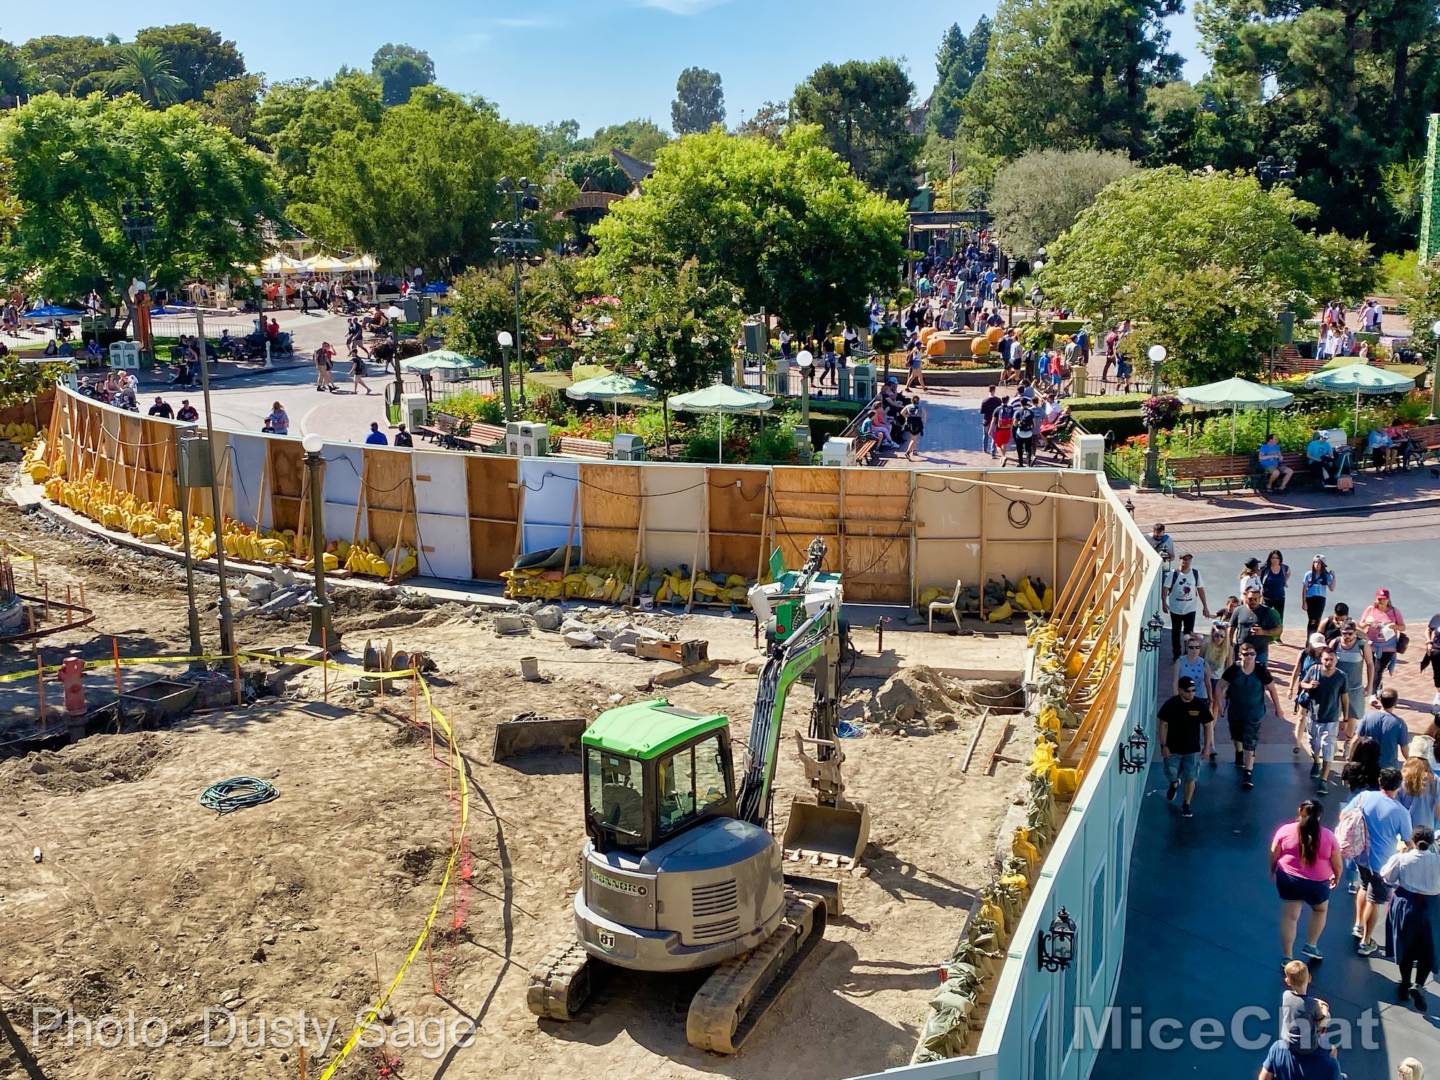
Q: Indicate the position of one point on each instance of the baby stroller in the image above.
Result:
(1055, 433)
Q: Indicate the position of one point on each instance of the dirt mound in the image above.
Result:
(90, 763)
(917, 697)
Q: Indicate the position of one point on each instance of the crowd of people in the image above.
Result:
(1342, 709)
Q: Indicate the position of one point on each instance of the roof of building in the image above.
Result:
(632, 167)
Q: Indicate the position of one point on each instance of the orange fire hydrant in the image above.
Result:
(72, 679)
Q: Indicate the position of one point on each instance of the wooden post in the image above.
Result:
(235, 676)
(82, 594)
(400, 533)
(40, 684)
(1087, 549)
(302, 1063)
(115, 654)
(47, 601)
(570, 535)
(69, 608)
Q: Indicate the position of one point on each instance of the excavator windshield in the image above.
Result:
(636, 804)
(615, 790)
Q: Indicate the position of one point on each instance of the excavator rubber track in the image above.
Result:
(740, 991)
(560, 984)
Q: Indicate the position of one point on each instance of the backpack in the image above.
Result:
(1352, 833)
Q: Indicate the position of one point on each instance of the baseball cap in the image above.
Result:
(1186, 683)
(1317, 641)
(1382, 594)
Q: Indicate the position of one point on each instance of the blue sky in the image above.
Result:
(596, 61)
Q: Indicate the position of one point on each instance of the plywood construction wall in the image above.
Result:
(892, 532)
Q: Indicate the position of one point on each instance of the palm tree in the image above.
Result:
(145, 70)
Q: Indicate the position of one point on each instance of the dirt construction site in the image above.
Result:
(146, 936)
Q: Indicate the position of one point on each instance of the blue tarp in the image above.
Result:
(52, 311)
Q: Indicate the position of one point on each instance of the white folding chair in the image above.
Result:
(949, 607)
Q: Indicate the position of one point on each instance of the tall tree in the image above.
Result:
(233, 104)
(1038, 196)
(958, 62)
(418, 189)
(1187, 253)
(787, 225)
(79, 161)
(145, 71)
(769, 121)
(17, 78)
(595, 171)
(298, 120)
(699, 101)
(69, 64)
(198, 56)
(400, 69)
(1070, 73)
(863, 108)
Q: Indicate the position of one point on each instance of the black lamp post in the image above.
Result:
(515, 239)
(322, 629)
(1151, 635)
(1055, 951)
(138, 221)
(1157, 356)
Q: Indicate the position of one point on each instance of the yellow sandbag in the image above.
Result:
(1001, 613)
(1065, 781)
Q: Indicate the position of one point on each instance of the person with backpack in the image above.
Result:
(1181, 594)
(1001, 425)
(1242, 691)
(1025, 424)
(1305, 863)
(1371, 825)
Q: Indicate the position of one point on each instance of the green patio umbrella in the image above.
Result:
(611, 388)
(441, 358)
(722, 399)
(1235, 394)
(1359, 379)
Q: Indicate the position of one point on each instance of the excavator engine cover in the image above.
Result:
(842, 830)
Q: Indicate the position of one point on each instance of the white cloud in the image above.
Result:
(682, 7)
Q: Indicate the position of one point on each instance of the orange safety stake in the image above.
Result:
(69, 608)
(235, 674)
(115, 652)
(40, 685)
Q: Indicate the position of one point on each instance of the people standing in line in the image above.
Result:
(1414, 918)
(1182, 593)
(1328, 705)
(1187, 730)
(987, 414)
(1386, 823)
(1241, 694)
(1317, 584)
(1305, 863)
(1274, 578)
(1383, 625)
(1254, 623)
(1353, 658)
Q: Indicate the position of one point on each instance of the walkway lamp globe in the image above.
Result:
(806, 362)
(322, 629)
(1056, 950)
(1157, 356)
(505, 341)
(1135, 751)
(1435, 377)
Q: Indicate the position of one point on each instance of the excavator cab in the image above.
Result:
(653, 771)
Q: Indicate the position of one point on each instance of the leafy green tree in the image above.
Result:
(69, 64)
(974, 172)
(400, 69)
(1067, 74)
(638, 138)
(233, 105)
(1037, 196)
(699, 102)
(594, 171)
(145, 71)
(1158, 246)
(16, 76)
(863, 108)
(677, 326)
(959, 61)
(787, 225)
(558, 140)
(197, 55)
(78, 161)
(418, 189)
(769, 121)
(298, 120)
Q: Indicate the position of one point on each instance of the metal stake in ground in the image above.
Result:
(227, 628)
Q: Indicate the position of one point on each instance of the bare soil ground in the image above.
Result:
(147, 903)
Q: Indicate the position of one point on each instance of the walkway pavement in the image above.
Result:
(1203, 919)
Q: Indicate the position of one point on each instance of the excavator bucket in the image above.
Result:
(528, 733)
(842, 830)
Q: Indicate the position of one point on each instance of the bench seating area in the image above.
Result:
(452, 433)
(565, 446)
(1228, 470)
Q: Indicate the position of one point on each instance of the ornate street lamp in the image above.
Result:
(1055, 951)
(1157, 356)
(1135, 751)
(515, 240)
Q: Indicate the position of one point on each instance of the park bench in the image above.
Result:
(1427, 442)
(1228, 470)
(565, 446)
(454, 433)
(1288, 361)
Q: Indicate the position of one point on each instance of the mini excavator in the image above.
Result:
(680, 872)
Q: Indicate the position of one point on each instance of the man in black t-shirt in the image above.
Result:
(987, 410)
(1187, 730)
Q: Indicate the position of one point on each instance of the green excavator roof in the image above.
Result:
(649, 729)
